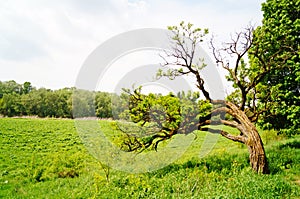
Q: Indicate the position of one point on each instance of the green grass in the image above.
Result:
(45, 158)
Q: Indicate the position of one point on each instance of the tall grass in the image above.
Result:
(46, 159)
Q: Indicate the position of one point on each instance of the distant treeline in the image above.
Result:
(25, 100)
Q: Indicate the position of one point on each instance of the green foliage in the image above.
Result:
(167, 111)
(10, 87)
(25, 100)
(83, 103)
(187, 30)
(26, 87)
(276, 47)
(103, 105)
(185, 40)
(10, 104)
(157, 118)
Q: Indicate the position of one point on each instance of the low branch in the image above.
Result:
(236, 138)
(233, 124)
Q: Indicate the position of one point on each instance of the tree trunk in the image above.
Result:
(257, 155)
(249, 136)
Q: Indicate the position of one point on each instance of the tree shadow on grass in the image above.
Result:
(225, 163)
(280, 159)
(293, 145)
(284, 157)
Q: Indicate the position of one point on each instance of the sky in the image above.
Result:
(47, 42)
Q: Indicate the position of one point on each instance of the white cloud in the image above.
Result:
(46, 42)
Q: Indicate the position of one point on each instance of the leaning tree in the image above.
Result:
(170, 119)
(265, 91)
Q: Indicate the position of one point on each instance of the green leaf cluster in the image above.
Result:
(277, 44)
(170, 114)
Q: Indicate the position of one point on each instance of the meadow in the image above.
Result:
(46, 158)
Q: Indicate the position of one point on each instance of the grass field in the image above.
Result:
(45, 158)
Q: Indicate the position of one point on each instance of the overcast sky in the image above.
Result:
(46, 42)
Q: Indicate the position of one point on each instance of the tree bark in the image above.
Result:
(249, 136)
(257, 157)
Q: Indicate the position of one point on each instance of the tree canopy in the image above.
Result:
(276, 52)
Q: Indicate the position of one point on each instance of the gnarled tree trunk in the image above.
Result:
(248, 134)
(256, 149)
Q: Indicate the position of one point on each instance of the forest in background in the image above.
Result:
(26, 100)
